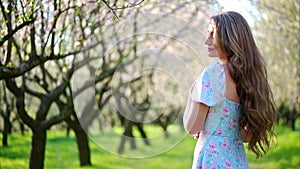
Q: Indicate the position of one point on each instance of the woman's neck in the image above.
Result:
(223, 60)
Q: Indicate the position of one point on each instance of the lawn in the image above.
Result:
(61, 152)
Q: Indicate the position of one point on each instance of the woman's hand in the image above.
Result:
(196, 136)
(246, 135)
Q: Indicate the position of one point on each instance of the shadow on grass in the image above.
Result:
(18, 147)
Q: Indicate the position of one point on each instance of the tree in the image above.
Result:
(40, 62)
(278, 34)
(5, 111)
(47, 44)
(136, 39)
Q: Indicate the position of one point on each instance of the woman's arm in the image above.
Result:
(194, 116)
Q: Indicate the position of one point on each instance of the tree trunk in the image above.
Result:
(293, 118)
(4, 139)
(37, 154)
(127, 135)
(122, 145)
(163, 121)
(81, 139)
(143, 133)
(7, 129)
(22, 128)
(6, 117)
(293, 124)
(68, 131)
(83, 147)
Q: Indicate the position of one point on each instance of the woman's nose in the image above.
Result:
(207, 41)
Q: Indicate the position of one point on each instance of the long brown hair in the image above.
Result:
(248, 70)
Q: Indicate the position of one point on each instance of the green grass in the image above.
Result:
(61, 152)
(284, 155)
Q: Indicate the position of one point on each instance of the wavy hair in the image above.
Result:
(248, 70)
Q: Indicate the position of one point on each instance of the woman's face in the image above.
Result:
(210, 41)
(213, 49)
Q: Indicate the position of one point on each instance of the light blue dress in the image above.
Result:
(220, 146)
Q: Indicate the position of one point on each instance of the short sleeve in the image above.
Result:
(202, 91)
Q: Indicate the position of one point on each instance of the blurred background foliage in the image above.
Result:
(279, 42)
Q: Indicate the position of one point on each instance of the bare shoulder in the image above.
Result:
(230, 91)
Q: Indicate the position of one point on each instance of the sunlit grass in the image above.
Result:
(61, 152)
(285, 154)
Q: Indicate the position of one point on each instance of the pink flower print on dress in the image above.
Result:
(229, 145)
(235, 119)
(212, 145)
(221, 128)
(207, 85)
(224, 144)
(226, 109)
(237, 141)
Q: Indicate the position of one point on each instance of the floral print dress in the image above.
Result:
(220, 146)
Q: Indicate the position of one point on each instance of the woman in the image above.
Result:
(231, 102)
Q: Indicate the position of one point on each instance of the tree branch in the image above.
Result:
(7, 72)
(111, 9)
(10, 34)
(128, 6)
(20, 103)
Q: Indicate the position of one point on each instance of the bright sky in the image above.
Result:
(244, 7)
